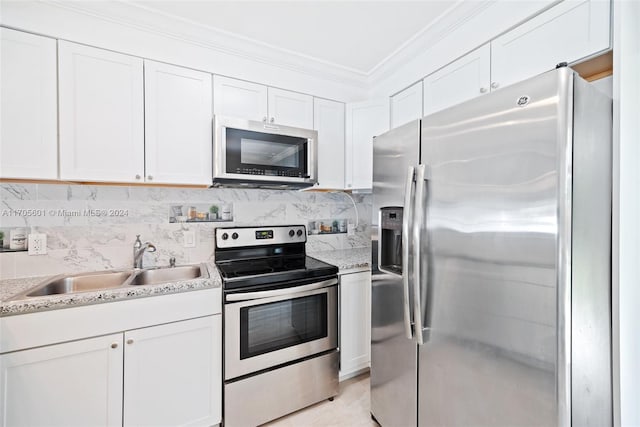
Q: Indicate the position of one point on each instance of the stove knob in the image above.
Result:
(234, 236)
(299, 233)
(225, 236)
(291, 233)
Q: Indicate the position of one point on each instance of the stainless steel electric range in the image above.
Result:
(280, 323)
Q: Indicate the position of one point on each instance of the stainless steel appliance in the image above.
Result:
(493, 305)
(260, 154)
(280, 323)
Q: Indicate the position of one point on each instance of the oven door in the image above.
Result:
(268, 328)
(248, 150)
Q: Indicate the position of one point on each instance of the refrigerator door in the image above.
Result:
(394, 357)
(393, 153)
(394, 373)
(497, 170)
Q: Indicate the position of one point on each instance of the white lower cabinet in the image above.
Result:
(172, 375)
(165, 375)
(355, 323)
(77, 383)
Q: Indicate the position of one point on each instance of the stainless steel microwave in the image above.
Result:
(258, 154)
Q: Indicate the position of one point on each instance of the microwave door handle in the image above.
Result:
(406, 239)
(293, 291)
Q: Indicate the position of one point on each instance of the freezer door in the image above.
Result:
(393, 153)
(490, 245)
(394, 373)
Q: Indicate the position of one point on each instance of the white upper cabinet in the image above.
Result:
(459, 81)
(565, 33)
(364, 121)
(101, 110)
(28, 131)
(238, 98)
(290, 108)
(406, 105)
(253, 101)
(178, 114)
(328, 120)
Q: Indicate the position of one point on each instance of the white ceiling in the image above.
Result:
(355, 35)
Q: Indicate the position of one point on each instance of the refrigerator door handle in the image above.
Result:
(406, 239)
(419, 272)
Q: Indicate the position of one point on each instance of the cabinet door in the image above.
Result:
(173, 374)
(178, 113)
(28, 106)
(101, 115)
(355, 323)
(329, 122)
(237, 98)
(406, 105)
(290, 108)
(565, 33)
(459, 81)
(77, 383)
(364, 121)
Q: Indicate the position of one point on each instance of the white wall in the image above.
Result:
(626, 215)
(116, 26)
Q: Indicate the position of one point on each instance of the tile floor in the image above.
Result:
(349, 409)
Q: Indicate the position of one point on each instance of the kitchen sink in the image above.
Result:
(81, 283)
(163, 275)
(96, 281)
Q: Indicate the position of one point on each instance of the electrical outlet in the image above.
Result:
(189, 239)
(37, 244)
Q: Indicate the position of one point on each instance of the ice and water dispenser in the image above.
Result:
(390, 255)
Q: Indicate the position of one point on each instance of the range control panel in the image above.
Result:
(260, 236)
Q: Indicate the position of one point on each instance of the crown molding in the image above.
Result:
(142, 18)
(449, 21)
(147, 19)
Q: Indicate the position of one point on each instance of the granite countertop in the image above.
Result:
(357, 259)
(11, 287)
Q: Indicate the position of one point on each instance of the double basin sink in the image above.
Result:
(97, 281)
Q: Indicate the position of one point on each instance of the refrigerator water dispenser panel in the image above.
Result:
(391, 239)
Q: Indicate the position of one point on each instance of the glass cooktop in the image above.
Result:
(272, 270)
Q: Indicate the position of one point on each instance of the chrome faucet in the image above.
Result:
(139, 249)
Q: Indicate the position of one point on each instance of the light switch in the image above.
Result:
(189, 239)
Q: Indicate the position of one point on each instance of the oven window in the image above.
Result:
(277, 325)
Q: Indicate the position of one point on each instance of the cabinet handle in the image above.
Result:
(264, 119)
(138, 177)
(272, 120)
(495, 85)
(483, 90)
(129, 341)
(114, 345)
(150, 178)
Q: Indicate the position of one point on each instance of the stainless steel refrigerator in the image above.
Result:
(491, 248)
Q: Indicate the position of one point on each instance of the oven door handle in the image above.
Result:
(246, 296)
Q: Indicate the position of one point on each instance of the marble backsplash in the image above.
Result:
(84, 242)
